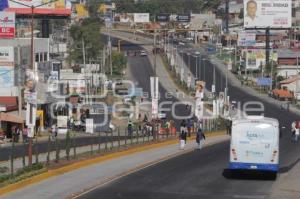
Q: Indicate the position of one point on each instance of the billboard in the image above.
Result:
(141, 17)
(255, 58)
(42, 7)
(6, 56)
(124, 17)
(246, 39)
(162, 18)
(183, 18)
(267, 13)
(6, 77)
(7, 25)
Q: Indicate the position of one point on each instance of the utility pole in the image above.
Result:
(84, 66)
(197, 67)
(110, 54)
(155, 51)
(32, 67)
(227, 16)
(267, 46)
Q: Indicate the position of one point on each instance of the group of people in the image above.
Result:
(17, 131)
(186, 130)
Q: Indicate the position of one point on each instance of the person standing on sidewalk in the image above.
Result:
(182, 139)
(200, 137)
(129, 128)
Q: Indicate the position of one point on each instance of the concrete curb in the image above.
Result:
(85, 163)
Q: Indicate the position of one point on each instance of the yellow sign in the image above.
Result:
(102, 8)
(81, 10)
(40, 114)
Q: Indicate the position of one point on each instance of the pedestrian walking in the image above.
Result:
(228, 122)
(183, 126)
(182, 139)
(189, 127)
(17, 134)
(200, 137)
(297, 134)
(129, 128)
(53, 132)
(295, 131)
(25, 134)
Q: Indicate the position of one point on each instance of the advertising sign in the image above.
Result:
(30, 115)
(6, 56)
(42, 7)
(124, 17)
(89, 126)
(246, 39)
(7, 25)
(256, 58)
(162, 17)
(267, 13)
(154, 108)
(6, 77)
(141, 17)
(184, 18)
(264, 81)
(30, 93)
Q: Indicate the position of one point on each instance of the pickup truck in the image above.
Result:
(282, 94)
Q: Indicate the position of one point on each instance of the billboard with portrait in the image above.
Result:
(256, 58)
(267, 13)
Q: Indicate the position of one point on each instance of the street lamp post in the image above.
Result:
(32, 7)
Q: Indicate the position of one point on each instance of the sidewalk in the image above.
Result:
(288, 185)
(64, 184)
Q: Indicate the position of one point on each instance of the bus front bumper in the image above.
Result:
(253, 166)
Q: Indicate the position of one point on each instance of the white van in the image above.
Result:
(255, 144)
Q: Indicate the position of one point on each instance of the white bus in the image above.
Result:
(255, 144)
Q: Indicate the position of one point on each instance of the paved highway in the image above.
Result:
(203, 174)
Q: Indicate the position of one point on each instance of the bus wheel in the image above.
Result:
(273, 175)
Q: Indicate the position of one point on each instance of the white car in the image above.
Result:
(162, 115)
(143, 53)
(219, 45)
(229, 48)
(127, 99)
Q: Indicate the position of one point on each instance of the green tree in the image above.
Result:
(89, 32)
(167, 6)
(119, 62)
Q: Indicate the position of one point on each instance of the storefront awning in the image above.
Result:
(6, 117)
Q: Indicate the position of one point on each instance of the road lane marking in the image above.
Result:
(249, 197)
